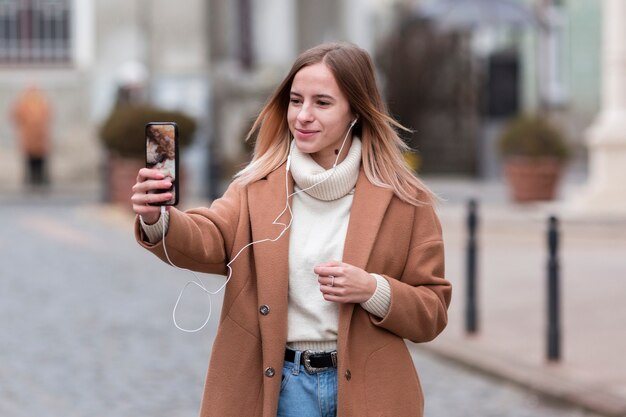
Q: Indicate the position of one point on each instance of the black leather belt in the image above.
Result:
(312, 361)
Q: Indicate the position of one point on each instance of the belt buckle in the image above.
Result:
(306, 355)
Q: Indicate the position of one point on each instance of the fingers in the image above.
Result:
(149, 174)
(330, 281)
(334, 268)
(149, 189)
(143, 201)
(330, 274)
(332, 288)
(151, 180)
(344, 283)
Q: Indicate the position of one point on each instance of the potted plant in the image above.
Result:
(123, 136)
(534, 152)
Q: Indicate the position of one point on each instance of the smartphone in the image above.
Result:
(162, 154)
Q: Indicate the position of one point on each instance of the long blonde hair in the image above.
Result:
(382, 148)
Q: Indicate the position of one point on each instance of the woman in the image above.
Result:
(358, 268)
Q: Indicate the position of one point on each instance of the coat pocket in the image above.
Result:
(235, 376)
(393, 387)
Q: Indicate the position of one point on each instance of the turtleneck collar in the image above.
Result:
(337, 181)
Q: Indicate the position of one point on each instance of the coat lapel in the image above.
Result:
(368, 210)
(267, 200)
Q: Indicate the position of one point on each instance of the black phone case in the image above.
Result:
(158, 155)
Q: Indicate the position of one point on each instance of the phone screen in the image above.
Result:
(162, 154)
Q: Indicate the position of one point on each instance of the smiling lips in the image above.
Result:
(305, 134)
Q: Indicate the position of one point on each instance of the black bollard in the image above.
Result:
(554, 326)
(471, 314)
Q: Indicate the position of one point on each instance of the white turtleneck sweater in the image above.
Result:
(320, 221)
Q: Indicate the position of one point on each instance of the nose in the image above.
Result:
(305, 115)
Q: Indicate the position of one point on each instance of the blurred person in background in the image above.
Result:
(31, 116)
(314, 320)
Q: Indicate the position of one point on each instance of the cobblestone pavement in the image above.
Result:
(86, 328)
(452, 391)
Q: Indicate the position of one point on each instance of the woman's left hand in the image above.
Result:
(344, 283)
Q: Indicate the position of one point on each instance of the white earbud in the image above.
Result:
(288, 161)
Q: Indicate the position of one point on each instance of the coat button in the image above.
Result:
(264, 310)
(270, 372)
(348, 375)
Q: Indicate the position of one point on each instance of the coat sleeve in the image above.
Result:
(421, 296)
(200, 239)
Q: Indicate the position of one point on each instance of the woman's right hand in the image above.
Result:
(150, 180)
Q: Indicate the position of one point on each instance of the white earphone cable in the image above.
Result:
(198, 282)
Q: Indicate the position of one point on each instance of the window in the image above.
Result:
(35, 31)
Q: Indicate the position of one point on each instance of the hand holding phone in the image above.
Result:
(162, 155)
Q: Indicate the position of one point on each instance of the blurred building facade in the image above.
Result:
(189, 55)
(220, 59)
(603, 193)
(565, 75)
(542, 57)
(79, 51)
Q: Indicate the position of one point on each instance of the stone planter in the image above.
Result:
(533, 179)
(119, 177)
(121, 174)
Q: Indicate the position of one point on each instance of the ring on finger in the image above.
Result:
(332, 281)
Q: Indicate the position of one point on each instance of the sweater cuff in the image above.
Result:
(379, 302)
(154, 232)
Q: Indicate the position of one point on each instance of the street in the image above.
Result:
(452, 391)
(86, 320)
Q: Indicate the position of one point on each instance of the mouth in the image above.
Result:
(305, 133)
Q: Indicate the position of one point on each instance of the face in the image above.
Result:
(319, 114)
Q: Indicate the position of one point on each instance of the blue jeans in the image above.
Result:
(307, 395)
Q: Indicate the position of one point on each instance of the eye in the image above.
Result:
(323, 103)
(294, 100)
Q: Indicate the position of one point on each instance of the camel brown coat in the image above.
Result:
(376, 376)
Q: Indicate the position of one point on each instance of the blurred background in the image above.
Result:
(481, 84)
(452, 75)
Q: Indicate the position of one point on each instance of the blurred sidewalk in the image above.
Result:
(512, 295)
(88, 190)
